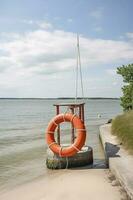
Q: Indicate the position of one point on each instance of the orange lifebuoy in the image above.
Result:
(79, 141)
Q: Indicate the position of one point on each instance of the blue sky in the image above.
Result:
(38, 46)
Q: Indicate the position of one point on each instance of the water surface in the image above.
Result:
(22, 133)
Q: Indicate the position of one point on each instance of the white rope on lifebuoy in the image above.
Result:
(51, 132)
(80, 139)
(75, 148)
(55, 123)
(63, 117)
(51, 144)
(73, 117)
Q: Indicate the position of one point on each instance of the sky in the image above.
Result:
(38, 50)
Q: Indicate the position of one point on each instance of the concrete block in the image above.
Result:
(82, 158)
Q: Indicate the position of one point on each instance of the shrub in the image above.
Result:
(122, 126)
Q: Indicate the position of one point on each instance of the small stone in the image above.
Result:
(111, 176)
(124, 197)
(123, 194)
(115, 183)
(121, 189)
(109, 121)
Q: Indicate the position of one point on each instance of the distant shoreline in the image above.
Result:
(62, 98)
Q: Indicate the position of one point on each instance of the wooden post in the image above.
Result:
(83, 113)
(80, 107)
(58, 129)
(80, 112)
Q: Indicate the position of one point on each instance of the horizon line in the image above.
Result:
(59, 98)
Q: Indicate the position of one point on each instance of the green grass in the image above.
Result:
(122, 126)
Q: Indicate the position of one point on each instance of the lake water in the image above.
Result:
(22, 136)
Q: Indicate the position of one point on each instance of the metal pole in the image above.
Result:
(83, 118)
(72, 136)
(80, 112)
(58, 129)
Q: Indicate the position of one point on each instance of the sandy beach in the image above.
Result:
(77, 184)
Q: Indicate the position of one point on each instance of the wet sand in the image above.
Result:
(79, 184)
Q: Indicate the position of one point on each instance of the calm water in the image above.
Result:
(22, 131)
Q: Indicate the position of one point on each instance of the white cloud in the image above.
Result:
(98, 29)
(52, 53)
(56, 18)
(115, 83)
(97, 13)
(70, 20)
(4, 62)
(111, 72)
(40, 23)
(28, 21)
(45, 25)
(129, 35)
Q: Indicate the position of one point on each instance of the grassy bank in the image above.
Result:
(122, 126)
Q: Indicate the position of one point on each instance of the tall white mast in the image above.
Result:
(79, 71)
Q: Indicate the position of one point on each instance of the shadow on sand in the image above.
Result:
(111, 151)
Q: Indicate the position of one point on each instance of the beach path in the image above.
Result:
(77, 184)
